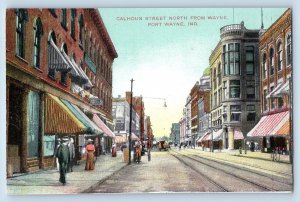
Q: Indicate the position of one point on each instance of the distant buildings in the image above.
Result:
(175, 134)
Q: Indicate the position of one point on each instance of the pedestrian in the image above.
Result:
(90, 150)
(72, 155)
(55, 152)
(63, 158)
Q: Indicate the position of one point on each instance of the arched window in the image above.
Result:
(38, 32)
(51, 71)
(64, 18)
(22, 17)
(289, 49)
(265, 72)
(271, 56)
(64, 74)
(73, 16)
(279, 56)
(80, 21)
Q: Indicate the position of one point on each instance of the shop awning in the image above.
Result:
(274, 91)
(134, 137)
(237, 134)
(59, 119)
(119, 139)
(285, 129)
(56, 60)
(91, 128)
(268, 124)
(285, 89)
(203, 136)
(107, 132)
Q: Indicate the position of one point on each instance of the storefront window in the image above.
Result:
(49, 145)
(34, 125)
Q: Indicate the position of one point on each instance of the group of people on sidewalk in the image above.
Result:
(65, 157)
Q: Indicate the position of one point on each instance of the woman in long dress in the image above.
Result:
(90, 150)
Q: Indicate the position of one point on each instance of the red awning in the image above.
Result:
(134, 137)
(237, 134)
(268, 124)
(107, 132)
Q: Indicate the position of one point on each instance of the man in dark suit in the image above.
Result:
(63, 159)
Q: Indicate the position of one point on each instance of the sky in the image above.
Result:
(166, 61)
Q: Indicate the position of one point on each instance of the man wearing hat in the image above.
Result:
(63, 158)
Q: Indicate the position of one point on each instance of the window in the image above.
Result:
(49, 145)
(251, 114)
(64, 74)
(272, 99)
(279, 56)
(215, 99)
(64, 18)
(234, 89)
(80, 20)
(265, 66)
(38, 31)
(215, 78)
(224, 90)
(250, 92)
(22, 17)
(224, 60)
(280, 102)
(53, 12)
(249, 60)
(73, 16)
(235, 111)
(231, 59)
(220, 96)
(34, 126)
(289, 49)
(265, 100)
(272, 62)
(219, 75)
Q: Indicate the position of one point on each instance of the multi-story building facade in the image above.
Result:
(175, 133)
(188, 117)
(235, 79)
(49, 78)
(275, 49)
(182, 132)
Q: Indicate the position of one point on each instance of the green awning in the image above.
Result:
(91, 128)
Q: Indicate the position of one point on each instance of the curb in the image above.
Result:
(89, 189)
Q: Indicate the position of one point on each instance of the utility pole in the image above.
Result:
(130, 123)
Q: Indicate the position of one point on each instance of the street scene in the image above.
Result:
(144, 100)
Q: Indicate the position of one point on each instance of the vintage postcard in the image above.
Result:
(149, 100)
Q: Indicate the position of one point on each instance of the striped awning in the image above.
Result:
(269, 125)
(237, 134)
(90, 127)
(134, 137)
(284, 129)
(203, 136)
(59, 119)
(56, 60)
(107, 132)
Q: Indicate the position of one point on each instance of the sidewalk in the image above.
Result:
(78, 181)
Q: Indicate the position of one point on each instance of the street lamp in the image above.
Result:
(130, 122)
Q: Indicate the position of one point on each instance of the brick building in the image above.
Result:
(58, 76)
(275, 52)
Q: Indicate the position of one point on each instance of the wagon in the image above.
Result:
(163, 145)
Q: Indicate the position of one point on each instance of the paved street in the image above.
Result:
(185, 170)
(192, 170)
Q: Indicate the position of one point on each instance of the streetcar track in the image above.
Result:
(246, 164)
(270, 176)
(202, 174)
(229, 173)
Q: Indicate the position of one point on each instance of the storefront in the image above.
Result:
(272, 132)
